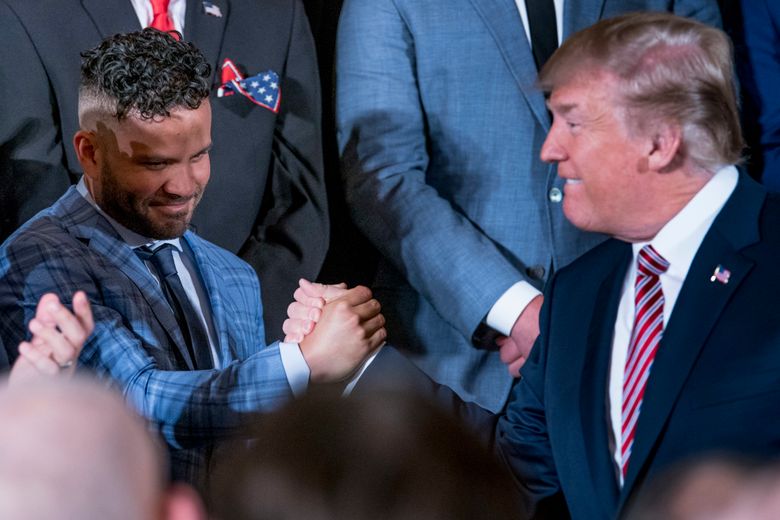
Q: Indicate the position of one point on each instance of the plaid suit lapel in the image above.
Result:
(89, 226)
(220, 308)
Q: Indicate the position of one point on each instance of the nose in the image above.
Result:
(551, 148)
(181, 181)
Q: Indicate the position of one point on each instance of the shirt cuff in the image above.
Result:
(354, 381)
(510, 305)
(295, 367)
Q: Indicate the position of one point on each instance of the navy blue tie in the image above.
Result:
(544, 29)
(188, 318)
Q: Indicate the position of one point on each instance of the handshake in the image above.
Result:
(337, 328)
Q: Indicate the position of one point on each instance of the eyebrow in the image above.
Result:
(562, 108)
(206, 149)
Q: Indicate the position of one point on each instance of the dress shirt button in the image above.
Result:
(535, 272)
(555, 195)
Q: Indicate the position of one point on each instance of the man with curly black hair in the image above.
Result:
(267, 200)
(178, 320)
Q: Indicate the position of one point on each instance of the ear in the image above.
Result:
(181, 502)
(665, 147)
(88, 152)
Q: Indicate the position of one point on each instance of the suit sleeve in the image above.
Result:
(761, 80)
(383, 144)
(189, 408)
(522, 436)
(290, 237)
(32, 167)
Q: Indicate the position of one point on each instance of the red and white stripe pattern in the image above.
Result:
(645, 337)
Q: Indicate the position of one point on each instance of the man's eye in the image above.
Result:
(155, 165)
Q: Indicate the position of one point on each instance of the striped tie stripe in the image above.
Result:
(645, 337)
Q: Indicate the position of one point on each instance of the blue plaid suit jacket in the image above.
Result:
(137, 343)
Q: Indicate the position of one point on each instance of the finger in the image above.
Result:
(515, 366)
(368, 309)
(509, 351)
(71, 326)
(301, 297)
(293, 327)
(40, 360)
(374, 324)
(62, 351)
(42, 309)
(377, 339)
(355, 296)
(328, 292)
(294, 338)
(83, 311)
(299, 311)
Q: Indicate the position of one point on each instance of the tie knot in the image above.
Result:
(161, 257)
(650, 263)
(159, 7)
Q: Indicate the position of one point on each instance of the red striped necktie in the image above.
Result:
(645, 337)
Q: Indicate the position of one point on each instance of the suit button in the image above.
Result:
(555, 195)
(535, 272)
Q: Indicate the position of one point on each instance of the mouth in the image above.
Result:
(573, 181)
(172, 207)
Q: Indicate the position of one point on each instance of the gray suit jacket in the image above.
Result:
(440, 127)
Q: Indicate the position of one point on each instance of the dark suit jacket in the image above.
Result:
(266, 199)
(716, 376)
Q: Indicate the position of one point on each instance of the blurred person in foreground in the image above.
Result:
(384, 455)
(69, 448)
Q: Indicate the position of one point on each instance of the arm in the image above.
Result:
(760, 77)
(32, 163)
(190, 408)
(383, 143)
(290, 236)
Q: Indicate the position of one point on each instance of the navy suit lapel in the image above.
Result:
(206, 31)
(87, 225)
(505, 25)
(696, 312)
(593, 383)
(112, 17)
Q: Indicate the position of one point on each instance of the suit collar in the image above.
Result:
(207, 31)
(698, 308)
(112, 17)
(594, 397)
(506, 27)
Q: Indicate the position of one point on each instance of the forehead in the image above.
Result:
(184, 130)
(590, 89)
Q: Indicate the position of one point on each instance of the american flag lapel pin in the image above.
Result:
(212, 9)
(720, 274)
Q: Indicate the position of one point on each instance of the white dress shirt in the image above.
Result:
(176, 11)
(678, 241)
(510, 305)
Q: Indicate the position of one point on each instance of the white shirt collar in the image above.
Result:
(681, 237)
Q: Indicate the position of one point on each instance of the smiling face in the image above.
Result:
(149, 175)
(609, 188)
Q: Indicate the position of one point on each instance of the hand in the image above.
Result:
(305, 311)
(514, 350)
(58, 336)
(349, 329)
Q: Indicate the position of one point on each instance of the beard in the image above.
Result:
(137, 213)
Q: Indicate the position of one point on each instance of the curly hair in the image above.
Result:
(148, 72)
